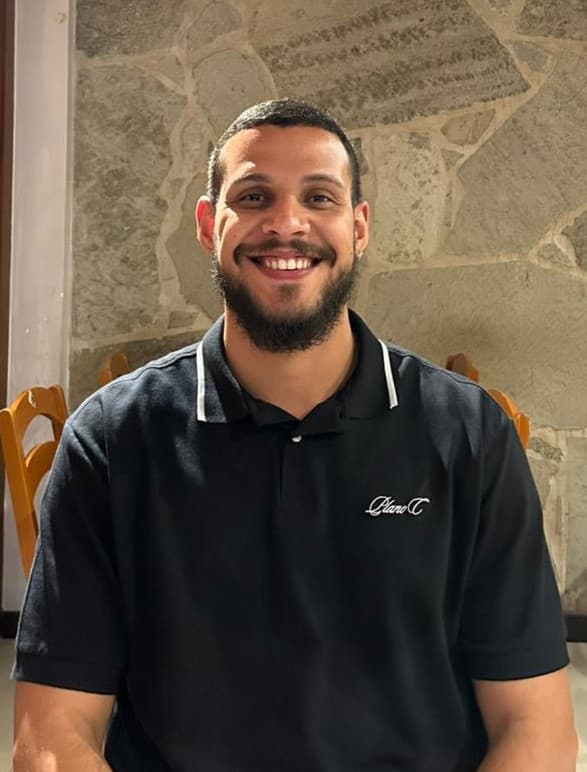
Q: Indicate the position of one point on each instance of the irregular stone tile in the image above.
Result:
(282, 16)
(500, 5)
(543, 472)
(192, 145)
(554, 18)
(181, 319)
(468, 129)
(577, 502)
(525, 176)
(383, 62)
(574, 598)
(532, 55)
(357, 143)
(524, 326)
(126, 115)
(174, 185)
(85, 364)
(577, 235)
(417, 139)
(191, 262)
(171, 67)
(227, 83)
(115, 272)
(216, 19)
(411, 188)
(364, 149)
(545, 461)
(451, 157)
(448, 213)
(545, 450)
(578, 657)
(554, 254)
(122, 155)
(129, 27)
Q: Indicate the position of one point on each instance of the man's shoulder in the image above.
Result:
(442, 395)
(409, 364)
(160, 384)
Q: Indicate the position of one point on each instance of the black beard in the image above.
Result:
(284, 334)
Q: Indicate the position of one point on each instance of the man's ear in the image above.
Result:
(204, 215)
(361, 226)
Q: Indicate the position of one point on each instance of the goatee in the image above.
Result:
(292, 331)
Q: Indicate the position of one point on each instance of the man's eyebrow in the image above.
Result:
(324, 178)
(252, 177)
(318, 177)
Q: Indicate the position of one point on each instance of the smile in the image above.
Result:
(285, 264)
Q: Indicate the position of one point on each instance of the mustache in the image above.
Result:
(303, 248)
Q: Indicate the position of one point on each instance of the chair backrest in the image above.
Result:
(460, 363)
(113, 366)
(521, 420)
(24, 471)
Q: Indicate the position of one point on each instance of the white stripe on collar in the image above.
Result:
(393, 401)
(201, 377)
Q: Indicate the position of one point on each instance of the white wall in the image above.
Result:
(39, 296)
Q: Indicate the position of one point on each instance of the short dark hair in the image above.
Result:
(282, 112)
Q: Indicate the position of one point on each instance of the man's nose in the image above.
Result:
(286, 217)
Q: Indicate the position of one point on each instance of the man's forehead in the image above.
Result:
(263, 148)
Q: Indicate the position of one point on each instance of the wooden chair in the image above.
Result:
(521, 420)
(460, 363)
(24, 471)
(114, 366)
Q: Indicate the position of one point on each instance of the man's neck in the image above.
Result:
(295, 382)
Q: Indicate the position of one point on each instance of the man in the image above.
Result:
(291, 547)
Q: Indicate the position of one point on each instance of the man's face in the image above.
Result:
(284, 234)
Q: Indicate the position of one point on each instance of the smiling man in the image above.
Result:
(286, 230)
(290, 268)
(291, 547)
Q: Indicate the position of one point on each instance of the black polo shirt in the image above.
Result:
(268, 594)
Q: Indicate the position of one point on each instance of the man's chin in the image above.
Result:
(287, 311)
(270, 318)
(286, 324)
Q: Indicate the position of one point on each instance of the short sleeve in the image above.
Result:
(512, 624)
(71, 632)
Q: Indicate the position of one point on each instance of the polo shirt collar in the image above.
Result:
(369, 391)
(219, 398)
(372, 385)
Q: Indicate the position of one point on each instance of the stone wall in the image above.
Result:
(471, 121)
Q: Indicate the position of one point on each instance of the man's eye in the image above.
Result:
(252, 197)
(320, 198)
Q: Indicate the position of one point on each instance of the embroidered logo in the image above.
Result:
(385, 505)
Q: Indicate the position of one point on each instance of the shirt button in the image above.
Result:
(297, 438)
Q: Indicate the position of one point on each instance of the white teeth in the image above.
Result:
(291, 264)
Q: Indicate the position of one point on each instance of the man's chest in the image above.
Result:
(324, 525)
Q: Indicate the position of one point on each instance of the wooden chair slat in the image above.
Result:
(460, 363)
(113, 367)
(25, 471)
(38, 462)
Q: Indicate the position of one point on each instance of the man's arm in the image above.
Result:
(59, 730)
(529, 724)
